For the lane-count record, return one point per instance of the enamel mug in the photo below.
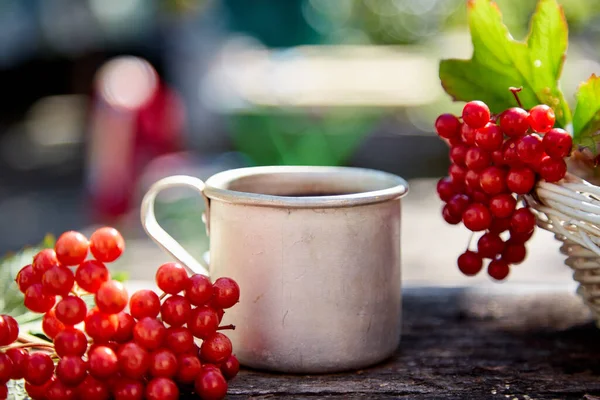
(316, 253)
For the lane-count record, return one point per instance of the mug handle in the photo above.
(159, 235)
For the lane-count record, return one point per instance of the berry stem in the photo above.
(230, 326)
(470, 241)
(162, 296)
(27, 338)
(28, 345)
(515, 92)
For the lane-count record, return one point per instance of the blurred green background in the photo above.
(100, 98)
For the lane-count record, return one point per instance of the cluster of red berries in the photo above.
(494, 159)
(157, 349)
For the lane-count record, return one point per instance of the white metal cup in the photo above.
(316, 252)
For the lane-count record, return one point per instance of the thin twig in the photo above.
(28, 345)
(231, 326)
(515, 92)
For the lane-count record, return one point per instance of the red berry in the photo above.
(541, 118)
(38, 392)
(162, 389)
(52, 326)
(6, 368)
(44, 260)
(172, 278)
(231, 367)
(179, 340)
(93, 389)
(9, 328)
(493, 180)
(530, 148)
(163, 363)
(470, 263)
(477, 217)
(107, 244)
(520, 180)
(3, 391)
(71, 310)
(128, 389)
(215, 349)
(447, 126)
(467, 134)
(188, 368)
(144, 303)
(211, 384)
(90, 275)
(70, 342)
(489, 137)
(472, 180)
(203, 322)
(19, 358)
(445, 189)
(134, 360)
(125, 329)
(71, 370)
(103, 362)
(111, 297)
(557, 143)
(200, 292)
(455, 141)
(4, 331)
(458, 154)
(457, 204)
(59, 391)
(502, 205)
(175, 310)
(101, 326)
(514, 121)
(226, 293)
(39, 369)
(522, 221)
(37, 300)
(149, 333)
(449, 217)
(498, 157)
(553, 169)
(535, 165)
(476, 114)
(457, 173)
(58, 280)
(520, 237)
(71, 248)
(477, 159)
(510, 155)
(498, 269)
(490, 245)
(27, 277)
(514, 252)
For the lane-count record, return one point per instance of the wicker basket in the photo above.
(571, 210)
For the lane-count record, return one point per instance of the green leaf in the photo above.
(120, 276)
(49, 241)
(586, 119)
(11, 300)
(500, 62)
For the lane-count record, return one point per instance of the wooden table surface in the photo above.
(494, 342)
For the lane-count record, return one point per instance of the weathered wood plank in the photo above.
(460, 344)
(501, 343)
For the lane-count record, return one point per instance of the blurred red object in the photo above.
(134, 119)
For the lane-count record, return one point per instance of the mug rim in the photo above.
(216, 185)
